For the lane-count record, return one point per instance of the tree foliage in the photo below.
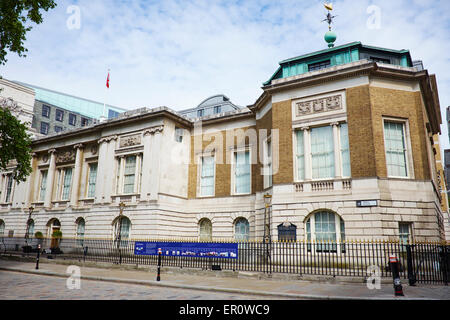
(15, 145)
(14, 15)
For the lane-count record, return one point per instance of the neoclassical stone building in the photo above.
(341, 139)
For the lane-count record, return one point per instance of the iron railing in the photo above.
(419, 262)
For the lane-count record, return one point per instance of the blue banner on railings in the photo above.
(188, 249)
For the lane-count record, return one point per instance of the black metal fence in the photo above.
(419, 262)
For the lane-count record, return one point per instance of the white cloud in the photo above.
(178, 52)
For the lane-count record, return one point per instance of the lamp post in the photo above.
(119, 229)
(267, 240)
(30, 211)
(267, 202)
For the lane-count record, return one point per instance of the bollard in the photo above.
(37, 257)
(158, 277)
(398, 289)
(411, 274)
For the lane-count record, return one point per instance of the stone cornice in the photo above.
(153, 130)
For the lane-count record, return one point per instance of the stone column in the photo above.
(307, 152)
(152, 162)
(109, 165)
(31, 190)
(146, 158)
(76, 174)
(50, 178)
(337, 151)
(101, 170)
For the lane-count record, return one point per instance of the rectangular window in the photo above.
(9, 184)
(322, 152)
(84, 122)
(319, 65)
(112, 114)
(45, 111)
(242, 172)
(178, 134)
(207, 176)
(43, 187)
(59, 115)
(72, 119)
(92, 180)
(44, 128)
(345, 150)
(129, 174)
(300, 155)
(200, 113)
(268, 164)
(394, 141)
(217, 109)
(381, 60)
(404, 232)
(58, 129)
(67, 181)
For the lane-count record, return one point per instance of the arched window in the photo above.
(205, 230)
(241, 229)
(2, 228)
(81, 224)
(30, 228)
(125, 227)
(326, 229)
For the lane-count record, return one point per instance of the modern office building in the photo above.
(340, 139)
(51, 119)
(88, 108)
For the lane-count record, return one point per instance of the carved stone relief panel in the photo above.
(318, 105)
(129, 141)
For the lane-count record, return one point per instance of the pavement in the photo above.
(278, 286)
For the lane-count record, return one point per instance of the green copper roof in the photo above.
(338, 55)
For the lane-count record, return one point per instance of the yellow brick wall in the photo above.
(282, 121)
(366, 107)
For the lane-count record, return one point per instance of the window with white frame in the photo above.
(345, 150)
(129, 174)
(241, 229)
(242, 172)
(64, 183)
(43, 186)
(300, 155)
(2, 228)
(81, 225)
(404, 231)
(328, 152)
(30, 227)
(9, 182)
(268, 164)
(92, 180)
(322, 152)
(125, 228)
(396, 148)
(326, 229)
(207, 176)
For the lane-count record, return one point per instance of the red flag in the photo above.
(107, 81)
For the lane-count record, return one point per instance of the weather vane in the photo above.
(329, 18)
(330, 36)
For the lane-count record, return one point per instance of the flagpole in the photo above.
(106, 96)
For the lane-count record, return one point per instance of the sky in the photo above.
(176, 53)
